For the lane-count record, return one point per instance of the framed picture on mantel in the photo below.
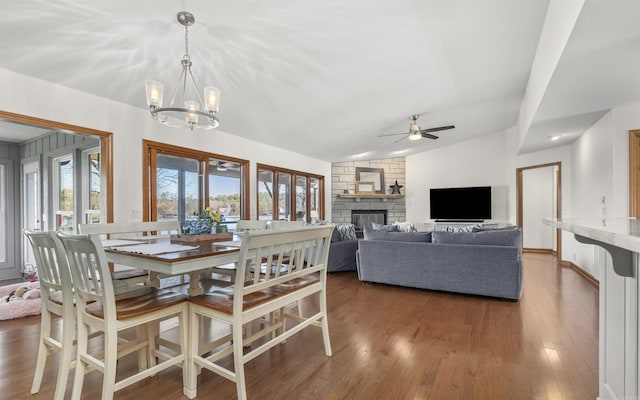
(365, 187)
(375, 175)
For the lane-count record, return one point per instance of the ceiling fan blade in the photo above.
(393, 134)
(402, 138)
(428, 135)
(440, 128)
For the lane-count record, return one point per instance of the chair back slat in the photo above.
(89, 267)
(139, 228)
(246, 224)
(274, 257)
(52, 266)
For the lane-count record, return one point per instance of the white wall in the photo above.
(538, 198)
(476, 162)
(129, 125)
(593, 166)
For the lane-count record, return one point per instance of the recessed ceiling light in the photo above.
(556, 137)
(399, 151)
(360, 154)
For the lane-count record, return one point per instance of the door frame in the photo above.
(106, 167)
(634, 173)
(519, 199)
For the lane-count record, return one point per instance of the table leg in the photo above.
(194, 284)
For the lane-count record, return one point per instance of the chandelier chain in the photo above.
(186, 42)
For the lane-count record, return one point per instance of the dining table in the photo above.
(168, 256)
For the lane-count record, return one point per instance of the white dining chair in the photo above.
(280, 224)
(56, 292)
(300, 256)
(247, 224)
(98, 308)
(140, 230)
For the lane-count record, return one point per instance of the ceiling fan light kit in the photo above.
(416, 133)
(186, 105)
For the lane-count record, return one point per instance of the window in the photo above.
(63, 193)
(225, 188)
(180, 182)
(289, 195)
(92, 181)
(265, 195)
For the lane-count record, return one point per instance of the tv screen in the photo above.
(461, 204)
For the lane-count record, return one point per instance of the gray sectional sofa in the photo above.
(485, 262)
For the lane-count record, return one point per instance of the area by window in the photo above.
(180, 182)
(285, 194)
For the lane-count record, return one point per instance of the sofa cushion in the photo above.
(346, 232)
(424, 237)
(511, 237)
(386, 228)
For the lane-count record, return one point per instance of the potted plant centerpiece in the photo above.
(203, 224)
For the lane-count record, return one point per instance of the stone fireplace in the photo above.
(361, 218)
(343, 182)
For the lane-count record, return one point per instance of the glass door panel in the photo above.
(284, 196)
(30, 206)
(265, 194)
(177, 188)
(92, 181)
(301, 198)
(314, 198)
(64, 193)
(225, 191)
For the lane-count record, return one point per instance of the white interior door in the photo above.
(31, 205)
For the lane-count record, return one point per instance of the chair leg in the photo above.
(325, 324)
(43, 351)
(238, 364)
(68, 328)
(81, 349)
(191, 384)
(110, 364)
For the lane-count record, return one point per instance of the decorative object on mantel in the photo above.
(190, 105)
(365, 187)
(395, 189)
(375, 175)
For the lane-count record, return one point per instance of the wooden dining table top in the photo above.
(206, 248)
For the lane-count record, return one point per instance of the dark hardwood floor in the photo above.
(391, 343)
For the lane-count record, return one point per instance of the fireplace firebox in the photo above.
(362, 218)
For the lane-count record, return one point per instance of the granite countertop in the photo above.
(620, 232)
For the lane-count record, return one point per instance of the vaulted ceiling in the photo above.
(327, 78)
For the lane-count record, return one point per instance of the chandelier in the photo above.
(187, 108)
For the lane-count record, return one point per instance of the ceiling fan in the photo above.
(415, 132)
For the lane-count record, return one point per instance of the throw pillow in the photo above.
(511, 237)
(405, 226)
(346, 232)
(461, 228)
(424, 237)
(386, 228)
(335, 235)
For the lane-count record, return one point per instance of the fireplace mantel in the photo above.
(358, 196)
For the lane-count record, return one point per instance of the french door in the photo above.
(31, 205)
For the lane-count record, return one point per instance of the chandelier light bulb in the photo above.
(154, 91)
(191, 116)
(212, 98)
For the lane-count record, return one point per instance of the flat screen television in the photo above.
(461, 204)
